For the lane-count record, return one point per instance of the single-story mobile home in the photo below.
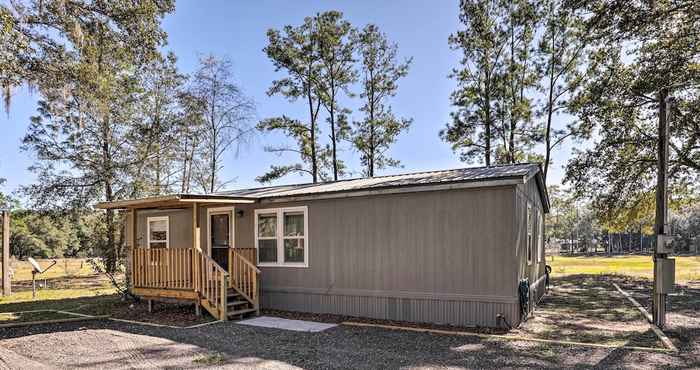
(462, 247)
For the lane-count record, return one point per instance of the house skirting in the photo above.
(401, 307)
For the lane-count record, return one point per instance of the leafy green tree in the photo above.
(645, 52)
(380, 70)
(7, 201)
(159, 128)
(188, 138)
(39, 39)
(83, 135)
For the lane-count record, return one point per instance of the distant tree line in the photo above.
(574, 227)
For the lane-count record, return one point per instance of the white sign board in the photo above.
(35, 265)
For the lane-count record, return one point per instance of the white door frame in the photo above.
(231, 211)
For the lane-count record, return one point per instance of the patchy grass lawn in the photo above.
(687, 268)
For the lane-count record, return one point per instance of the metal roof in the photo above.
(473, 177)
(459, 175)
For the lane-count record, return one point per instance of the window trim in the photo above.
(279, 236)
(167, 230)
(529, 231)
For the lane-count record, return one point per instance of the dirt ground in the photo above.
(108, 344)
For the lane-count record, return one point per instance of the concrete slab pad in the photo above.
(287, 324)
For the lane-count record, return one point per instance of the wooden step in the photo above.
(241, 312)
(237, 303)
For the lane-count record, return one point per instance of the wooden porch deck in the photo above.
(189, 274)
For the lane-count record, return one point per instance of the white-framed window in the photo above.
(540, 236)
(529, 233)
(158, 232)
(282, 236)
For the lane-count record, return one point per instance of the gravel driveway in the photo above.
(108, 344)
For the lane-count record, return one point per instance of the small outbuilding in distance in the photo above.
(462, 247)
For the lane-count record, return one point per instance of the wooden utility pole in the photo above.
(664, 268)
(6, 285)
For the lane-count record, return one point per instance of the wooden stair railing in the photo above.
(244, 277)
(212, 285)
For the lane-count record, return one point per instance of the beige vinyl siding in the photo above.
(443, 246)
(448, 256)
(528, 193)
(180, 225)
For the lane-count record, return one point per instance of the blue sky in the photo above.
(236, 29)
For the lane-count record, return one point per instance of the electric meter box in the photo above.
(665, 275)
(663, 244)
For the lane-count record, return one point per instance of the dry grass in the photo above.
(65, 267)
(687, 268)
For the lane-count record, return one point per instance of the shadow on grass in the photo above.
(683, 310)
(588, 309)
(174, 314)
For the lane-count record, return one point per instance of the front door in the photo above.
(220, 236)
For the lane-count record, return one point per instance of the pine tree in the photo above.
(482, 43)
(380, 70)
(336, 74)
(294, 50)
(560, 53)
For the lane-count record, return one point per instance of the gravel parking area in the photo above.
(117, 345)
(112, 345)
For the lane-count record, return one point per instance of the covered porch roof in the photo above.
(175, 201)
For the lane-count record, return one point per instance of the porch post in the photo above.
(6, 284)
(195, 224)
(195, 259)
(134, 238)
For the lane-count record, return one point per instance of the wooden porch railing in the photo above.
(162, 268)
(244, 275)
(212, 285)
(248, 253)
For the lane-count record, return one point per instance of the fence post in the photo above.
(6, 284)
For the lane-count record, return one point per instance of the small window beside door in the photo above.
(158, 232)
(282, 236)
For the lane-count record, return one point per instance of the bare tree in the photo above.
(227, 116)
